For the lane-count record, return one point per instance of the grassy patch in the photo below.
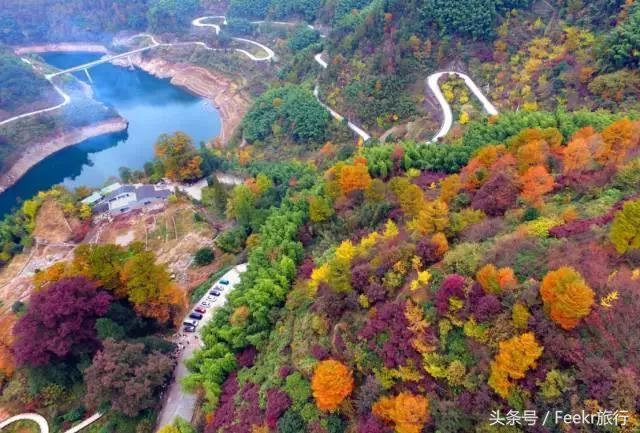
(202, 288)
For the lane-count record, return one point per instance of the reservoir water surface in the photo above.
(151, 105)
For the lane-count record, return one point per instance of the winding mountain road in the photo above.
(432, 80)
(66, 100)
(198, 22)
(43, 425)
(447, 117)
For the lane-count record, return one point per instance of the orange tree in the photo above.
(332, 382)
(566, 296)
(494, 280)
(406, 411)
(355, 177)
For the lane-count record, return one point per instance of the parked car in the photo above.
(205, 304)
(196, 316)
(200, 310)
(214, 293)
(211, 298)
(193, 323)
(224, 282)
(189, 329)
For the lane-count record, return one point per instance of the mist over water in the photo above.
(152, 107)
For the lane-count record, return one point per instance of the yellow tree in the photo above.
(319, 209)
(515, 356)
(7, 363)
(355, 177)
(178, 156)
(409, 195)
(625, 230)
(434, 217)
(449, 187)
(619, 138)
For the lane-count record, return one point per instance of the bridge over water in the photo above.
(104, 59)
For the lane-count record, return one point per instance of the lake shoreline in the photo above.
(222, 92)
(219, 90)
(65, 47)
(50, 145)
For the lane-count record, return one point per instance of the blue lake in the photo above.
(151, 105)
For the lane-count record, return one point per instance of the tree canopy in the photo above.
(126, 376)
(60, 322)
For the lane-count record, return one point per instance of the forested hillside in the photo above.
(21, 87)
(34, 21)
(482, 282)
(413, 300)
(532, 55)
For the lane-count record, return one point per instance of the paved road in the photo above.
(447, 117)
(42, 423)
(66, 99)
(179, 402)
(339, 117)
(432, 81)
(200, 22)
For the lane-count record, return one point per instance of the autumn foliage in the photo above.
(178, 157)
(332, 382)
(355, 177)
(567, 296)
(7, 363)
(60, 322)
(625, 230)
(536, 182)
(514, 358)
(407, 412)
(494, 280)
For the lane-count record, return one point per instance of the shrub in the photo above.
(463, 259)
(203, 257)
(497, 195)
(232, 241)
(277, 403)
(291, 422)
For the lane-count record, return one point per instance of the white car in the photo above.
(205, 304)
